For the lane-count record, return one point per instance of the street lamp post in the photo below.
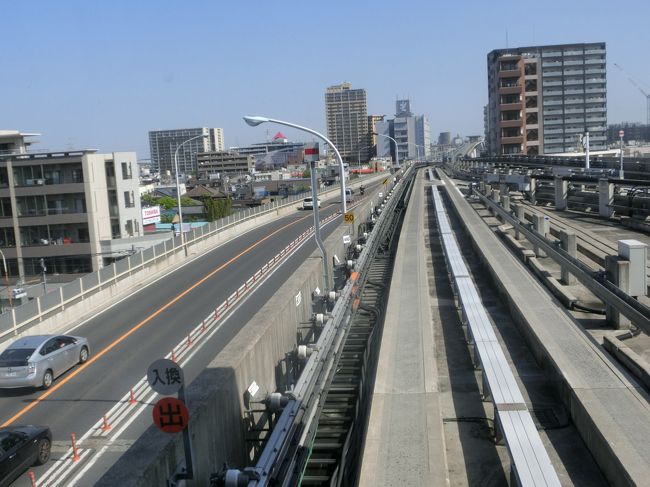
(396, 148)
(178, 189)
(254, 121)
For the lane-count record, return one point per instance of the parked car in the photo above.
(20, 448)
(35, 361)
(308, 204)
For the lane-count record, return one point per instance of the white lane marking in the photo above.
(63, 470)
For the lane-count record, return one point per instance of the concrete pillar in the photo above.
(605, 198)
(519, 212)
(494, 196)
(541, 225)
(505, 203)
(481, 186)
(503, 188)
(570, 246)
(561, 193)
(618, 273)
(533, 190)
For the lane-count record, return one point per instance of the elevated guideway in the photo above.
(610, 410)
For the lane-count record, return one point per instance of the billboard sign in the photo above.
(311, 152)
(150, 215)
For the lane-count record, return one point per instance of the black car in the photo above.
(20, 448)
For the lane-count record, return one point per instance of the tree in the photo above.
(167, 202)
(217, 208)
(149, 199)
(306, 173)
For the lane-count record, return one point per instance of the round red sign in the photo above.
(171, 415)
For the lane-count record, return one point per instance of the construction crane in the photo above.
(647, 97)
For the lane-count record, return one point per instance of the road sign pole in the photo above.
(188, 474)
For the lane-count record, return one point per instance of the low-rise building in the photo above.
(59, 207)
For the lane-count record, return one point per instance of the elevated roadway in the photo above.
(145, 326)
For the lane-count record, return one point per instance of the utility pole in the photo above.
(43, 269)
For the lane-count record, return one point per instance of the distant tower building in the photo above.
(347, 120)
(411, 132)
(372, 130)
(163, 144)
(444, 138)
(542, 98)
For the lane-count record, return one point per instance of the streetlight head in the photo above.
(255, 121)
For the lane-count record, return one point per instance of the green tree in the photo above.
(215, 209)
(167, 202)
(149, 199)
(306, 173)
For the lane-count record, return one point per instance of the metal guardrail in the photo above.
(20, 317)
(636, 312)
(293, 427)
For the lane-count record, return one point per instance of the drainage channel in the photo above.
(334, 453)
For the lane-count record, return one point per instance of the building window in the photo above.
(126, 170)
(129, 199)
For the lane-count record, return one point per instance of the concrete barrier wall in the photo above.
(217, 401)
(58, 321)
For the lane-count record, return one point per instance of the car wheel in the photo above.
(48, 378)
(44, 449)
(83, 355)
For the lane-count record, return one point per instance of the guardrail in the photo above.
(635, 311)
(530, 462)
(21, 317)
(292, 430)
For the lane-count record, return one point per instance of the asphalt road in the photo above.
(146, 325)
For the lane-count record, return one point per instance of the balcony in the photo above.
(552, 83)
(599, 89)
(594, 51)
(510, 123)
(574, 101)
(510, 106)
(574, 110)
(512, 140)
(574, 72)
(509, 73)
(596, 119)
(574, 91)
(595, 71)
(553, 111)
(595, 99)
(551, 53)
(574, 130)
(553, 131)
(548, 103)
(554, 121)
(551, 73)
(573, 53)
(510, 90)
(595, 61)
(573, 63)
(573, 82)
(595, 110)
(595, 80)
(551, 64)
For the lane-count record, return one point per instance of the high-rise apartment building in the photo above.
(163, 144)
(64, 207)
(347, 121)
(542, 99)
(411, 132)
(372, 130)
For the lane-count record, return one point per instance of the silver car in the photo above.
(35, 361)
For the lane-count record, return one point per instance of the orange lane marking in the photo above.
(126, 334)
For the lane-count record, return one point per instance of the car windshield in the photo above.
(15, 357)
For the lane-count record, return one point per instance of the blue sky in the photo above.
(101, 74)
